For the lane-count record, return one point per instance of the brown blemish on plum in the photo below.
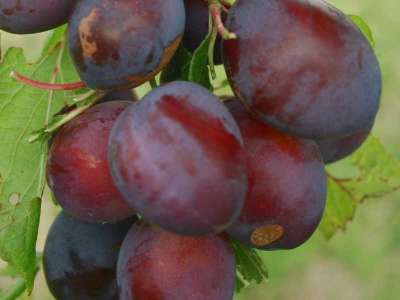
(11, 11)
(139, 79)
(265, 235)
(89, 46)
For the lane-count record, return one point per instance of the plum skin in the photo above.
(158, 265)
(77, 168)
(196, 28)
(122, 44)
(333, 150)
(80, 258)
(286, 186)
(177, 157)
(303, 67)
(33, 16)
(127, 95)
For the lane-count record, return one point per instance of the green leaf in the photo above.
(249, 266)
(340, 208)
(176, 68)
(24, 109)
(14, 292)
(185, 66)
(198, 70)
(222, 85)
(9, 270)
(365, 29)
(19, 287)
(378, 173)
(55, 37)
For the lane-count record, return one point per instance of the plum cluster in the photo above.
(152, 190)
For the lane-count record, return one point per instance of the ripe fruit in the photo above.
(177, 157)
(78, 171)
(80, 259)
(286, 187)
(32, 16)
(303, 67)
(127, 95)
(158, 265)
(333, 150)
(196, 28)
(122, 44)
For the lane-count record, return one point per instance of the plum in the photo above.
(78, 171)
(177, 157)
(122, 44)
(158, 265)
(286, 186)
(303, 67)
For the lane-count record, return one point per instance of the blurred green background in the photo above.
(361, 263)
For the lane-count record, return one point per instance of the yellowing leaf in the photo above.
(378, 174)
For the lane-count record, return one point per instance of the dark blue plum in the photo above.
(32, 16)
(126, 95)
(122, 44)
(80, 259)
(303, 67)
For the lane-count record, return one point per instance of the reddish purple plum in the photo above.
(303, 67)
(78, 171)
(158, 265)
(286, 186)
(177, 157)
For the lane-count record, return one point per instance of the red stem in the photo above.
(216, 15)
(217, 19)
(46, 85)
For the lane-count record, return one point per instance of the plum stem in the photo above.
(215, 10)
(68, 117)
(84, 96)
(74, 113)
(65, 118)
(213, 38)
(45, 85)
